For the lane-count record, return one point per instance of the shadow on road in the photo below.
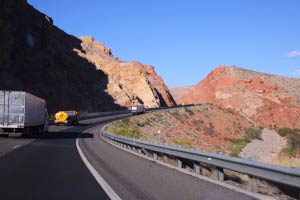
(63, 135)
(65, 132)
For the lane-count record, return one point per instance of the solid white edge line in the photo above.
(104, 185)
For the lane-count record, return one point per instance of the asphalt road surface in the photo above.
(133, 177)
(49, 167)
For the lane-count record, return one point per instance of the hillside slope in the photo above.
(39, 58)
(201, 126)
(272, 101)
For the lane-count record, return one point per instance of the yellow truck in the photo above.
(66, 117)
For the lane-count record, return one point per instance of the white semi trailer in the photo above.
(21, 112)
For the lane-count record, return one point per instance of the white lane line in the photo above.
(16, 146)
(109, 191)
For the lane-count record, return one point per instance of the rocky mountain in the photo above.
(128, 83)
(38, 57)
(271, 101)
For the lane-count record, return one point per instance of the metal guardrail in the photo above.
(282, 175)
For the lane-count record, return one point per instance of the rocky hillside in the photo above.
(38, 57)
(271, 101)
(201, 126)
(128, 83)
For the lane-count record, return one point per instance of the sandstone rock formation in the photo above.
(128, 83)
(39, 58)
(272, 101)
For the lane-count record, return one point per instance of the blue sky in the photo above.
(187, 39)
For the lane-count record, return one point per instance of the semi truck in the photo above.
(138, 109)
(67, 118)
(21, 112)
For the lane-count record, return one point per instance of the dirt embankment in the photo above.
(201, 126)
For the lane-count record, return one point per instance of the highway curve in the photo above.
(133, 177)
(49, 167)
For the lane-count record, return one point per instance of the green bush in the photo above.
(125, 128)
(209, 130)
(189, 111)
(293, 137)
(182, 143)
(176, 115)
(237, 145)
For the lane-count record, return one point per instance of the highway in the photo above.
(50, 167)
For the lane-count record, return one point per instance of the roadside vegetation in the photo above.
(238, 144)
(293, 137)
(182, 143)
(201, 126)
(126, 128)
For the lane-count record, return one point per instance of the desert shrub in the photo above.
(253, 133)
(293, 137)
(182, 142)
(197, 122)
(125, 128)
(288, 131)
(176, 115)
(158, 115)
(189, 111)
(238, 144)
(209, 130)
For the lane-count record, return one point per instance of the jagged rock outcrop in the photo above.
(37, 57)
(129, 83)
(272, 101)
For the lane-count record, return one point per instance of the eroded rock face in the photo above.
(37, 57)
(129, 83)
(272, 101)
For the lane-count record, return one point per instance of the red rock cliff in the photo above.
(272, 101)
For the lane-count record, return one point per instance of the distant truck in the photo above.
(67, 118)
(139, 109)
(21, 112)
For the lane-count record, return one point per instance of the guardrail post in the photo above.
(165, 158)
(140, 151)
(155, 156)
(178, 163)
(220, 174)
(197, 168)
